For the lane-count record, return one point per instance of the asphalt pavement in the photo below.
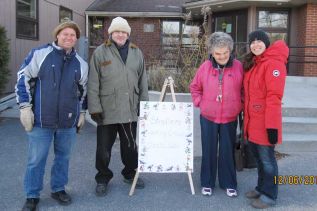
(162, 191)
(169, 191)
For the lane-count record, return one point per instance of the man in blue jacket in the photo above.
(51, 93)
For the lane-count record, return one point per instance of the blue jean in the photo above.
(211, 134)
(40, 140)
(267, 170)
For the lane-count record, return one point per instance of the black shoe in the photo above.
(62, 197)
(101, 189)
(30, 204)
(259, 204)
(139, 183)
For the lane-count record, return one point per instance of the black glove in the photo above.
(272, 134)
(97, 117)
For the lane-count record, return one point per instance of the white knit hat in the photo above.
(119, 24)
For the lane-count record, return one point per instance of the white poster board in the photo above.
(165, 137)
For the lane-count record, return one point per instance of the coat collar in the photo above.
(109, 42)
(61, 51)
(215, 64)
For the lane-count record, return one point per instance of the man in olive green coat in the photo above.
(117, 82)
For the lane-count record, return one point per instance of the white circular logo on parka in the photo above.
(276, 73)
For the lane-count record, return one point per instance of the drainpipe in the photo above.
(87, 22)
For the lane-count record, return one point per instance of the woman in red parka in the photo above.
(264, 81)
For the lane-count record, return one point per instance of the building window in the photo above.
(27, 21)
(175, 33)
(148, 28)
(172, 31)
(274, 22)
(65, 14)
(190, 35)
(96, 31)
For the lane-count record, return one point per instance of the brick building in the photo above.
(158, 22)
(153, 23)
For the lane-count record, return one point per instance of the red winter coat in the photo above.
(264, 89)
(204, 90)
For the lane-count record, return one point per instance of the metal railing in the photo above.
(297, 54)
(167, 54)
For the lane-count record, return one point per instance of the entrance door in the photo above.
(234, 23)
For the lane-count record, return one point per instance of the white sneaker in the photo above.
(232, 192)
(206, 191)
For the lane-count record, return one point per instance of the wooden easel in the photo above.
(168, 82)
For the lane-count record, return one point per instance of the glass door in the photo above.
(235, 24)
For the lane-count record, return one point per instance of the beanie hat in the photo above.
(119, 24)
(66, 24)
(259, 35)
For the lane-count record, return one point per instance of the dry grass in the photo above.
(279, 155)
(178, 60)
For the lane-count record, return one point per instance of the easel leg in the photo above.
(163, 92)
(172, 89)
(136, 177)
(191, 183)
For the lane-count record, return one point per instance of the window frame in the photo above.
(92, 31)
(176, 36)
(275, 29)
(28, 20)
(170, 35)
(65, 9)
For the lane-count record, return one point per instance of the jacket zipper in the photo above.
(59, 89)
(54, 78)
(222, 91)
(221, 73)
(126, 74)
(248, 112)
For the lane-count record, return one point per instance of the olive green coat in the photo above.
(115, 89)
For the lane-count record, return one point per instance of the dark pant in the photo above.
(211, 134)
(106, 136)
(267, 169)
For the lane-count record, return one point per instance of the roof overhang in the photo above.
(194, 4)
(228, 5)
(136, 14)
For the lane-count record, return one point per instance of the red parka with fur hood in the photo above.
(264, 88)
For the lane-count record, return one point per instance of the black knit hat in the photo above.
(259, 35)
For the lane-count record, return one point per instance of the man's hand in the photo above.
(97, 117)
(27, 118)
(81, 121)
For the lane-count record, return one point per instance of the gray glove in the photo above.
(27, 118)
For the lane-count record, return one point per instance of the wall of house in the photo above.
(303, 33)
(310, 69)
(294, 35)
(48, 20)
(300, 40)
(148, 42)
(7, 19)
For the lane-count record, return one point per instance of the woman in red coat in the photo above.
(264, 81)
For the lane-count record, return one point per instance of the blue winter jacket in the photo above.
(54, 84)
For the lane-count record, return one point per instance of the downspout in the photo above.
(87, 22)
